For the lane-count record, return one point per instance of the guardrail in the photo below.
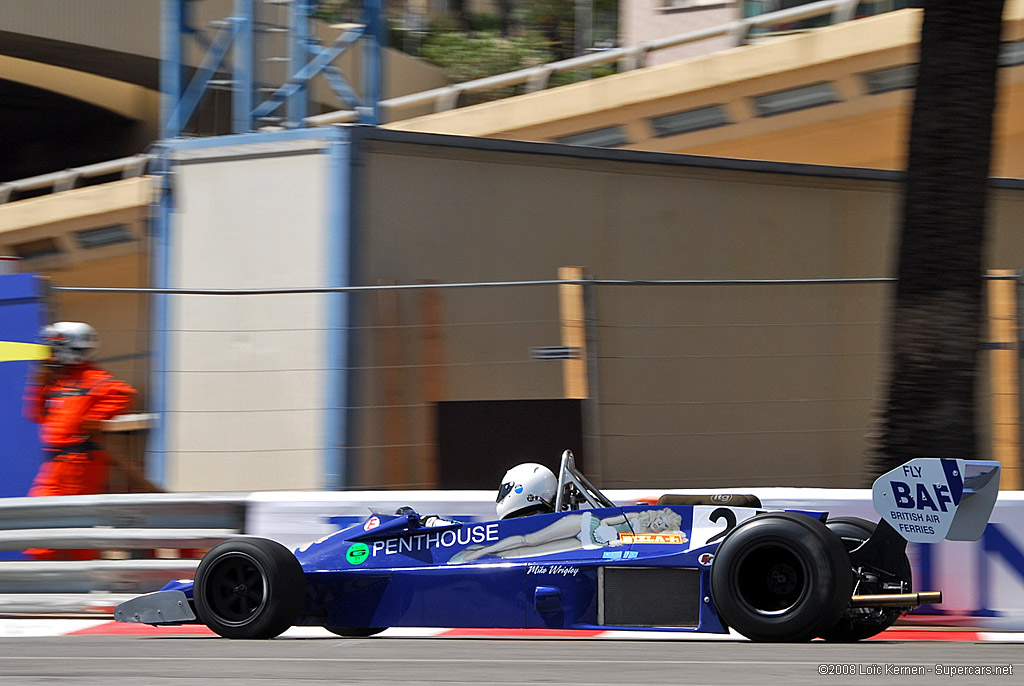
(196, 512)
(125, 523)
(115, 576)
(628, 58)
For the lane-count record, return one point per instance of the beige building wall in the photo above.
(699, 386)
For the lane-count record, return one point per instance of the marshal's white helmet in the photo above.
(70, 342)
(526, 488)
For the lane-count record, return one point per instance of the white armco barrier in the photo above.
(982, 582)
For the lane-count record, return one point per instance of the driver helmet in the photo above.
(526, 489)
(70, 343)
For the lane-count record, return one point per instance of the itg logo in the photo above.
(357, 553)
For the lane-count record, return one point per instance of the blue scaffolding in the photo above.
(232, 48)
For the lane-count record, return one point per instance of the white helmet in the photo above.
(526, 488)
(70, 342)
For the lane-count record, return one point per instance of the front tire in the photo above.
(250, 588)
(781, 577)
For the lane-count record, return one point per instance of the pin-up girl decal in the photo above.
(577, 532)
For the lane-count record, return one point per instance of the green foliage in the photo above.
(471, 46)
(568, 77)
(334, 10)
(556, 20)
(465, 57)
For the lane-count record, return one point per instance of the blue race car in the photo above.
(687, 563)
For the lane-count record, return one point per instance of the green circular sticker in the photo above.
(357, 553)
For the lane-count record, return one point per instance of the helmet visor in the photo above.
(505, 489)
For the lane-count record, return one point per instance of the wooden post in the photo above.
(432, 378)
(1003, 341)
(574, 332)
(395, 472)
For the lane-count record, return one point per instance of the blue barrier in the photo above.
(22, 312)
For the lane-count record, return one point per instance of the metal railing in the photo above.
(90, 576)
(116, 524)
(157, 511)
(768, 364)
(628, 58)
(706, 369)
(126, 167)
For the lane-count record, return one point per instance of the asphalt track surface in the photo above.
(179, 659)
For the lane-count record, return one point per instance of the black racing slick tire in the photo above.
(852, 531)
(250, 588)
(856, 624)
(354, 631)
(781, 576)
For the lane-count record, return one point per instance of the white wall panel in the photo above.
(246, 388)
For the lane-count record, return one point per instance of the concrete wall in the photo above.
(699, 385)
(245, 395)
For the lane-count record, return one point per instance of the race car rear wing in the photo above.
(925, 501)
(929, 499)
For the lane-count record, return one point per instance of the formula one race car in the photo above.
(687, 563)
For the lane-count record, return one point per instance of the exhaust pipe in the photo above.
(897, 599)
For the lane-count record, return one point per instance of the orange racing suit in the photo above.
(68, 406)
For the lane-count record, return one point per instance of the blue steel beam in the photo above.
(172, 24)
(308, 71)
(341, 88)
(306, 59)
(373, 15)
(341, 382)
(298, 40)
(201, 79)
(159, 266)
(243, 60)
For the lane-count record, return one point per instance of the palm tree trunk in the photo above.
(937, 314)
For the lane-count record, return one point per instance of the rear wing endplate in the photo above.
(927, 500)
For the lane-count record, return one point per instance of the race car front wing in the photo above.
(161, 607)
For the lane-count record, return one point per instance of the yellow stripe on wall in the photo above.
(13, 352)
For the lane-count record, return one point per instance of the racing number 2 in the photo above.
(730, 522)
(729, 516)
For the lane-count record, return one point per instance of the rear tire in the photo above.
(852, 531)
(249, 588)
(781, 577)
(856, 624)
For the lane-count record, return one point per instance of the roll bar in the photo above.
(574, 488)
